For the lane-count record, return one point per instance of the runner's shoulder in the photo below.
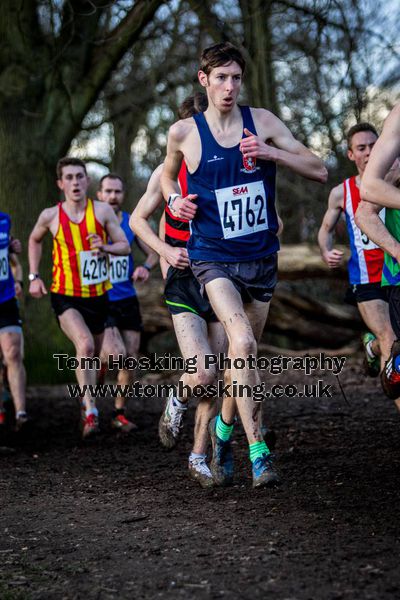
(48, 215)
(180, 130)
(266, 123)
(336, 196)
(102, 210)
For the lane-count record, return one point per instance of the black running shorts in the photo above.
(125, 314)
(254, 280)
(9, 315)
(363, 292)
(182, 294)
(93, 310)
(393, 294)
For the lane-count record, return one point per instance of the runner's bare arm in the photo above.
(142, 273)
(164, 266)
(184, 208)
(37, 288)
(374, 187)
(368, 220)
(119, 244)
(138, 222)
(16, 269)
(285, 151)
(330, 255)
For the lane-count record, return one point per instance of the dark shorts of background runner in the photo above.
(254, 280)
(93, 310)
(125, 314)
(363, 292)
(9, 314)
(393, 294)
(182, 295)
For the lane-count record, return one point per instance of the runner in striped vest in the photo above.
(80, 229)
(366, 258)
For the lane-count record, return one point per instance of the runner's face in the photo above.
(223, 86)
(112, 192)
(74, 183)
(361, 146)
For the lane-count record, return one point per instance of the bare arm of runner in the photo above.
(286, 151)
(141, 273)
(119, 244)
(164, 266)
(368, 220)
(184, 208)
(37, 288)
(374, 185)
(331, 256)
(16, 269)
(148, 203)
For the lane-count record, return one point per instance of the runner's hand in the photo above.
(18, 289)
(333, 258)
(140, 274)
(185, 208)
(177, 257)
(96, 242)
(253, 147)
(37, 288)
(15, 246)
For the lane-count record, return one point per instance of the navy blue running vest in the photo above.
(236, 220)
(7, 289)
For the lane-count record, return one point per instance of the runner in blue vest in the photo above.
(11, 343)
(124, 323)
(231, 153)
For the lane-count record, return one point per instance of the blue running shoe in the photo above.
(264, 473)
(222, 457)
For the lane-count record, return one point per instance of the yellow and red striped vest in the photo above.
(68, 242)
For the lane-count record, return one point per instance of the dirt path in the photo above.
(119, 518)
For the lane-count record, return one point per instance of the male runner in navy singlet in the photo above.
(231, 153)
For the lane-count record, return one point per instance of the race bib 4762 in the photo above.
(242, 209)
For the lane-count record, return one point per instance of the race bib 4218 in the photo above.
(94, 267)
(242, 209)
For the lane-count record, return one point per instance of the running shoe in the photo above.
(21, 421)
(222, 458)
(390, 376)
(119, 422)
(199, 471)
(264, 473)
(90, 426)
(171, 421)
(372, 366)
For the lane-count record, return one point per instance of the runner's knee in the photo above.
(85, 347)
(12, 353)
(243, 344)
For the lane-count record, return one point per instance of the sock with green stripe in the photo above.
(223, 430)
(258, 449)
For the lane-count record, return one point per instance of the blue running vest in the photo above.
(7, 289)
(236, 220)
(122, 267)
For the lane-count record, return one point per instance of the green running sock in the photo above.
(258, 449)
(223, 430)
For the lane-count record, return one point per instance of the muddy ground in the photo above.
(119, 518)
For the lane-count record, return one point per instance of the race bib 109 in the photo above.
(94, 267)
(242, 209)
(4, 264)
(119, 269)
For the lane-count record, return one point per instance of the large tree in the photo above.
(55, 59)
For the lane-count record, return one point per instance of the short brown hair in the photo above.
(69, 161)
(192, 105)
(357, 129)
(111, 176)
(218, 55)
